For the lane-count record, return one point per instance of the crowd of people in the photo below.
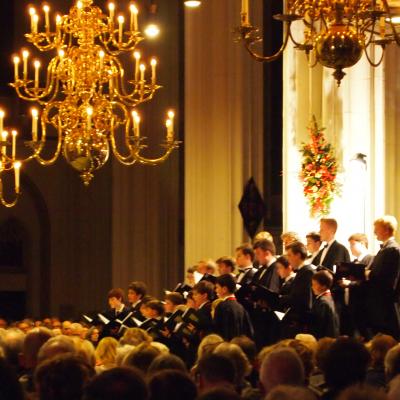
(313, 323)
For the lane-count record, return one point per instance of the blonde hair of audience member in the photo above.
(387, 224)
(85, 349)
(135, 336)
(60, 344)
(208, 344)
(76, 329)
(378, 347)
(289, 237)
(161, 347)
(394, 389)
(286, 392)
(33, 341)
(263, 235)
(364, 392)
(122, 352)
(239, 359)
(106, 353)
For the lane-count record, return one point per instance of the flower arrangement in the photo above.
(318, 171)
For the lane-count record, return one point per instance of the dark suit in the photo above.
(336, 254)
(268, 276)
(245, 277)
(298, 302)
(383, 288)
(136, 311)
(231, 320)
(325, 322)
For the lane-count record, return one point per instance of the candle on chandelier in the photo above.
(1, 121)
(136, 54)
(153, 64)
(89, 113)
(25, 56)
(134, 18)
(14, 143)
(121, 20)
(245, 12)
(35, 21)
(170, 131)
(46, 10)
(17, 167)
(35, 118)
(58, 24)
(111, 8)
(79, 7)
(4, 136)
(142, 71)
(136, 122)
(32, 13)
(36, 65)
(16, 66)
(101, 58)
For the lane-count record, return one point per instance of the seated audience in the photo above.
(174, 384)
(106, 353)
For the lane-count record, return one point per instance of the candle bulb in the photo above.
(120, 27)
(17, 167)
(142, 70)
(79, 7)
(101, 59)
(35, 117)
(134, 18)
(4, 136)
(170, 132)
(46, 10)
(16, 67)
(245, 12)
(153, 64)
(32, 12)
(1, 121)
(35, 21)
(89, 112)
(36, 65)
(58, 25)
(136, 122)
(25, 55)
(14, 144)
(136, 54)
(111, 8)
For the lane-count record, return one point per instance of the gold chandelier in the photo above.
(335, 32)
(87, 100)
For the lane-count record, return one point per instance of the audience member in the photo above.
(174, 384)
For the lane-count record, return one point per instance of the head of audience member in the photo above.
(225, 286)
(378, 348)
(106, 352)
(3, 323)
(135, 337)
(281, 366)
(283, 267)
(263, 235)
(12, 341)
(25, 325)
(345, 364)
(392, 362)
(239, 360)
(62, 378)
(153, 309)
(385, 227)
(10, 389)
(248, 347)
(86, 350)
(322, 349)
(136, 291)
(76, 329)
(93, 335)
(306, 354)
(215, 370)
(56, 346)
(66, 327)
(244, 256)
(321, 281)
(327, 229)
(172, 301)
(202, 292)
(141, 357)
(225, 265)
(394, 389)
(208, 344)
(286, 392)
(34, 340)
(289, 237)
(166, 361)
(313, 242)
(119, 383)
(296, 254)
(219, 393)
(264, 251)
(362, 392)
(358, 244)
(176, 383)
(115, 298)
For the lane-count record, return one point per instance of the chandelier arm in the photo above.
(272, 57)
(126, 160)
(154, 161)
(4, 201)
(374, 64)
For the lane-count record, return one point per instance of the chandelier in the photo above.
(335, 32)
(87, 101)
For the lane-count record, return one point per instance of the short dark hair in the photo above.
(156, 305)
(228, 261)
(266, 245)
(228, 281)
(247, 250)
(219, 393)
(315, 236)
(283, 261)
(118, 293)
(205, 287)
(298, 248)
(175, 298)
(324, 278)
(118, 383)
(174, 382)
(216, 368)
(166, 361)
(139, 287)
